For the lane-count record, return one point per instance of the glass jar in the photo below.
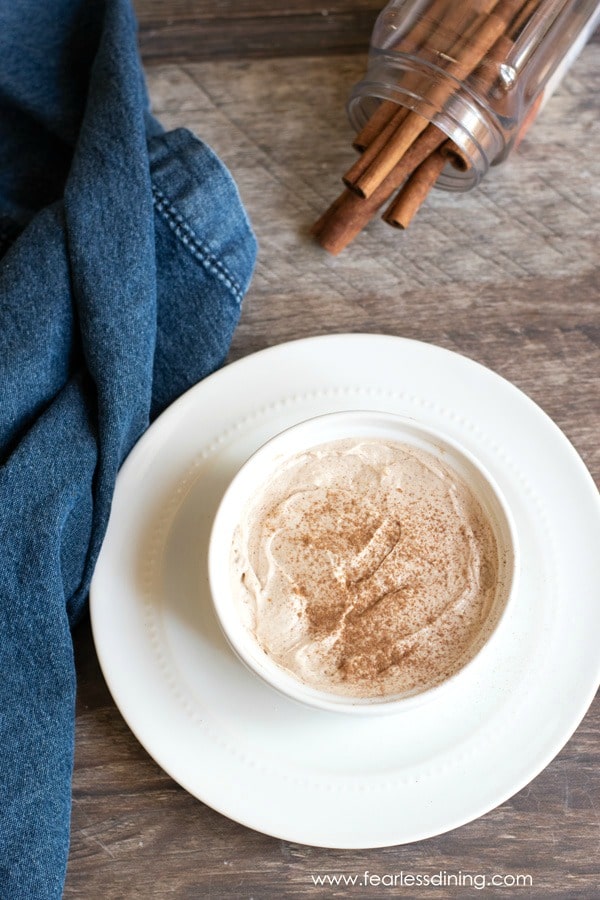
(478, 70)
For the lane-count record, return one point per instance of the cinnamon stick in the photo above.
(345, 218)
(377, 144)
(374, 125)
(409, 200)
(485, 76)
(470, 55)
(427, 24)
(419, 36)
(374, 137)
(523, 16)
(348, 215)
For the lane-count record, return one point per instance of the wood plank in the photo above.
(508, 275)
(196, 30)
(136, 834)
(205, 30)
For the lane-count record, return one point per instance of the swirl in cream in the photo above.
(365, 568)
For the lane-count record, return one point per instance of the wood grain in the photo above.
(137, 835)
(195, 30)
(508, 275)
(201, 29)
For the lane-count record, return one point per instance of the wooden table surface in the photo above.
(506, 274)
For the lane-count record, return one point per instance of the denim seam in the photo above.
(199, 251)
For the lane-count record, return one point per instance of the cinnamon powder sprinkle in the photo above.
(366, 568)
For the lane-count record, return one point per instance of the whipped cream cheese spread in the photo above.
(365, 568)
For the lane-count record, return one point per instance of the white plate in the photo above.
(312, 776)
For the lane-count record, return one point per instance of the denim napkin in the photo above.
(124, 256)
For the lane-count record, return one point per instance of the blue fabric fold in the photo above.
(125, 253)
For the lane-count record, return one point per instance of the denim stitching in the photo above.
(182, 230)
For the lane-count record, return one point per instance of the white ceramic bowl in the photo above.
(310, 433)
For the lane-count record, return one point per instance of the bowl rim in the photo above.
(238, 636)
